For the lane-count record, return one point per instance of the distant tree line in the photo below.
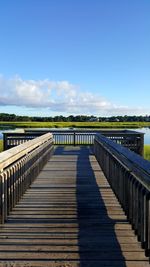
(72, 118)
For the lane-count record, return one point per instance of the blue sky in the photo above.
(75, 57)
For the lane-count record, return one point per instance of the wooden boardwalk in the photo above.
(69, 217)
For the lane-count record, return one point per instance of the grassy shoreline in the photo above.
(1, 145)
(75, 124)
(147, 152)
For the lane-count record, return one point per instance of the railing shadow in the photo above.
(97, 240)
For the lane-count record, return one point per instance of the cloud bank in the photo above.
(58, 96)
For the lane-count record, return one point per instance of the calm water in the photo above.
(146, 132)
(143, 130)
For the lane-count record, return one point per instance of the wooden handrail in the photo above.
(129, 177)
(133, 160)
(19, 166)
(9, 156)
(130, 139)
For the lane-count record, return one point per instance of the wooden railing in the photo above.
(129, 177)
(130, 139)
(18, 168)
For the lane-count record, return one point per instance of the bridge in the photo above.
(74, 204)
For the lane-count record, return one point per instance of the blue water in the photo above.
(146, 132)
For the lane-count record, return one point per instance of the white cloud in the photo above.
(58, 96)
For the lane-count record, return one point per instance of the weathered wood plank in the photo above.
(100, 255)
(67, 263)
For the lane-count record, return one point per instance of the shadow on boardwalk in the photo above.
(97, 241)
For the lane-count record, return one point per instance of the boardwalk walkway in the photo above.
(69, 217)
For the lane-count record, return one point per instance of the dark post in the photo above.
(141, 152)
(4, 141)
(74, 138)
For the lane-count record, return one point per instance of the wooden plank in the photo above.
(66, 248)
(67, 263)
(100, 255)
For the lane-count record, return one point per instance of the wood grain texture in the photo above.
(69, 217)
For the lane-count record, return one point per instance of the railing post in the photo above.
(5, 141)
(74, 138)
(2, 199)
(141, 149)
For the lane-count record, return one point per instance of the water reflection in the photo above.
(146, 131)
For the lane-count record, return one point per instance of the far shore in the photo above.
(92, 125)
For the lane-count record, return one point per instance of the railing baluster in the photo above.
(2, 199)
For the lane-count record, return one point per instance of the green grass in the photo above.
(1, 145)
(75, 124)
(147, 152)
